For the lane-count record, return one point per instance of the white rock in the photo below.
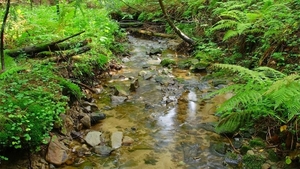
(93, 138)
(116, 139)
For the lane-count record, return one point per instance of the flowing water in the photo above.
(167, 115)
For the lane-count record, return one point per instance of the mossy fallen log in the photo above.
(32, 51)
(151, 33)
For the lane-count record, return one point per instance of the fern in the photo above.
(265, 92)
(241, 99)
(244, 73)
(232, 122)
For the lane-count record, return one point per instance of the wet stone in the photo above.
(118, 99)
(220, 148)
(96, 117)
(103, 150)
(127, 141)
(90, 106)
(233, 159)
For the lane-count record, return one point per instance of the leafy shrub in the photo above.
(31, 101)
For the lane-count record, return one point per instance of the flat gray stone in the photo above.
(93, 138)
(116, 139)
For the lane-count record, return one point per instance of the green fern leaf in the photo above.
(271, 73)
(232, 122)
(224, 24)
(241, 27)
(229, 34)
(241, 99)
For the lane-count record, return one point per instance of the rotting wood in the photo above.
(151, 33)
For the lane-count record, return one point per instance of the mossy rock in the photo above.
(185, 64)
(199, 67)
(167, 62)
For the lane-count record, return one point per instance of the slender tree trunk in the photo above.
(2, 36)
(177, 31)
(57, 8)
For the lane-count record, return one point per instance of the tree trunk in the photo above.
(176, 30)
(2, 36)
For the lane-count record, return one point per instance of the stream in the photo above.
(163, 110)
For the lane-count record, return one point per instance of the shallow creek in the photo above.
(167, 115)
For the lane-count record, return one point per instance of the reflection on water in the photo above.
(192, 106)
(167, 121)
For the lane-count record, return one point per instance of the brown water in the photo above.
(164, 119)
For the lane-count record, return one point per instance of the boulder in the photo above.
(96, 117)
(86, 121)
(57, 153)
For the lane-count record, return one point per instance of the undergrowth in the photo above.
(33, 94)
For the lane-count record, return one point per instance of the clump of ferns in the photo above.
(264, 92)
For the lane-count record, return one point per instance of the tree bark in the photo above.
(173, 26)
(2, 36)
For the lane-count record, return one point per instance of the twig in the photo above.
(84, 85)
(235, 150)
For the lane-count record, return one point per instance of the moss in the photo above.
(244, 149)
(252, 161)
(256, 142)
(272, 156)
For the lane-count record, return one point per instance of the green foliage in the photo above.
(252, 161)
(71, 87)
(41, 24)
(256, 142)
(31, 101)
(260, 92)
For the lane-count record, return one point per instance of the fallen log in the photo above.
(58, 56)
(150, 33)
(31, 51)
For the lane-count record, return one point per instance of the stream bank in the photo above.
(143, 116)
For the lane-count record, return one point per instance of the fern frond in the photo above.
(241, 99)
(271, 73)
(224, 24)
(244, 72)
(232, 122)
(234, 14)
(282, 84)
(241, 27)
(229, 34)
(228, 89)
(252, 17)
